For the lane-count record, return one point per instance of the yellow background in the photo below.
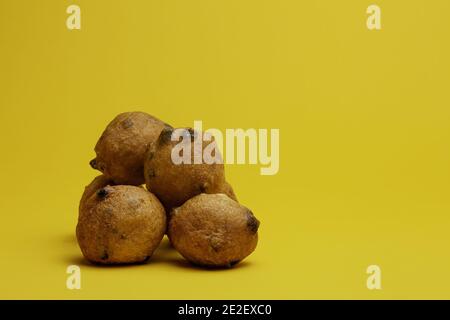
(363, 116)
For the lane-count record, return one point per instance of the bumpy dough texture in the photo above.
(99, 182)
(120, 224)
(122, 147)
(173, 183)
(213, 230)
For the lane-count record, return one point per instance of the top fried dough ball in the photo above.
(213, 230)
(122, 146)
(120, 224)
(174, 184)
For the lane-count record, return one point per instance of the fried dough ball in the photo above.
(213, 230)
(175, 183)
(122, 146)
(120, 224)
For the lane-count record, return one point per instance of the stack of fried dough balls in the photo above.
(122, 221)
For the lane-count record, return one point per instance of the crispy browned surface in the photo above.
(213, 230)
(173, 183)
(122, 147)
(120, 224)
(96, 184)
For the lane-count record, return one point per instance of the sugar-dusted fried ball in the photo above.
(120, 224)
(213, 230)
(122, 146)
(176, 182)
